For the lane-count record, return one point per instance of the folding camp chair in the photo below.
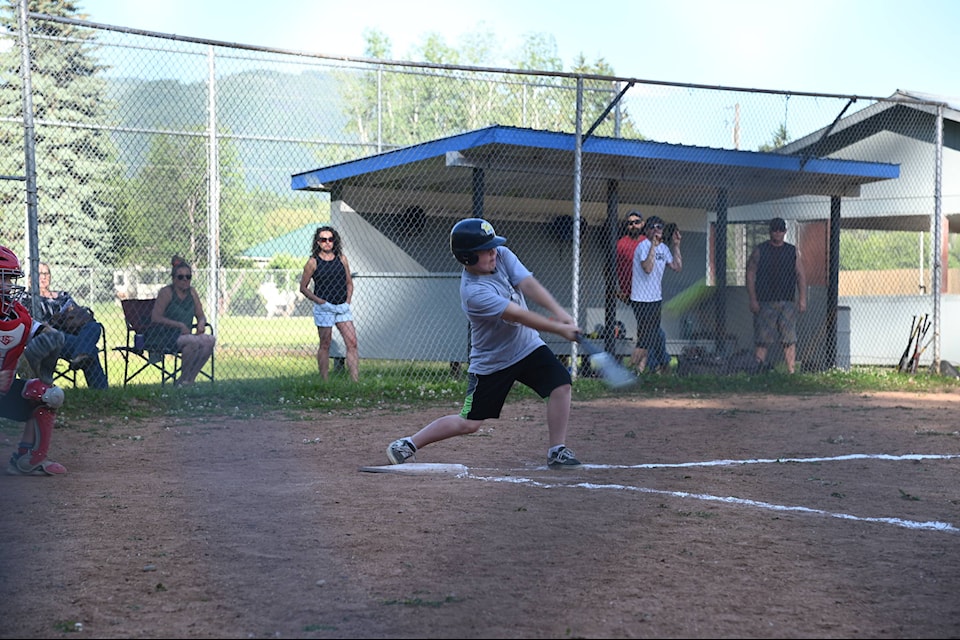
(70, 375)
(137, 359)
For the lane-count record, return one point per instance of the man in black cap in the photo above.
(777, 288)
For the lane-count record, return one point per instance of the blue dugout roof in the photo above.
(529, 163)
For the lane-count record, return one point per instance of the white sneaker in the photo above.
(400, 450)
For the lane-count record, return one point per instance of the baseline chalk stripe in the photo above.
(722, 463)
(907, 524)
(461, 471)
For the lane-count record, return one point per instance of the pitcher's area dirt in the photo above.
(739, 517)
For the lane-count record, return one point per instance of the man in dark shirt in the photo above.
(774, 278)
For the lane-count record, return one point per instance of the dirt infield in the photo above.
(800, 517)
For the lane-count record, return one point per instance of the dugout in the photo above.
(533, 184)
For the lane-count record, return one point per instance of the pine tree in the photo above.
(72, 156)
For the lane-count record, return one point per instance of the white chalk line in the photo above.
(898, 522)
(721, 463)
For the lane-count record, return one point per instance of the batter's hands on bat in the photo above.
(570, 332)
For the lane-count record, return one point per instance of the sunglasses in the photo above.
(323, 239)
(657, 226)
(184, 277)
(634, 223)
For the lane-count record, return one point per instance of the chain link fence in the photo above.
(150, 145)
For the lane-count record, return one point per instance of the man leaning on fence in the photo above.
(774, 278)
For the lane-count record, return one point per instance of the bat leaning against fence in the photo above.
(915, 363)
(904, 364)
(917, 350)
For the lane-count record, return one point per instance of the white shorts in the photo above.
(328, 314)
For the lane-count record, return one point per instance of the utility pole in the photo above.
(736, 126)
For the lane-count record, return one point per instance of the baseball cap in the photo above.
(778, 224)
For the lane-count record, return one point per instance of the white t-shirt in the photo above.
(647, 286)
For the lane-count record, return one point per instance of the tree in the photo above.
(598, 96)
(167, 212)
(873, 250)
(395, 106)
(72, 158)
(780, 138)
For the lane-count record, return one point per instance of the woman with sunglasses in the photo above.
(172, 329)
(331, 293)
(650, 260)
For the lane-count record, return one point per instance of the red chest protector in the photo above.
(14, 334)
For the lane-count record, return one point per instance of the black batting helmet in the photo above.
(471, 235)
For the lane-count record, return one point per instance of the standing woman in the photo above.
(173, 313)
(331, 293)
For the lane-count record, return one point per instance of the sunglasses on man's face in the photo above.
(324, 239)
(634, 223)
(184, 276)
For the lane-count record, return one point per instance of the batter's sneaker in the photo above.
(562, 458)
(400, 450)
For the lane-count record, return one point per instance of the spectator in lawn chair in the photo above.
(80, 329)
(173, 328)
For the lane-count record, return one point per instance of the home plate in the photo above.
(418, 468)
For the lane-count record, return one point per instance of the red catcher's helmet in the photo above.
(472, 235)
(10, 273)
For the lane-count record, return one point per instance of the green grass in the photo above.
(388, 386)
(270, 365)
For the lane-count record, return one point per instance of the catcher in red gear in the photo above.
(33, 401)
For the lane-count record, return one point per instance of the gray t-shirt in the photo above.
(496, 343)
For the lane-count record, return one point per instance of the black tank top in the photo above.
(330, 281)
(776, 272)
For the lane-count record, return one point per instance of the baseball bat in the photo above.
(916, 358)
(905, 357)
(921, 334)
(614, 374)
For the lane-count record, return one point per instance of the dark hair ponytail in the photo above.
(176, 262)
